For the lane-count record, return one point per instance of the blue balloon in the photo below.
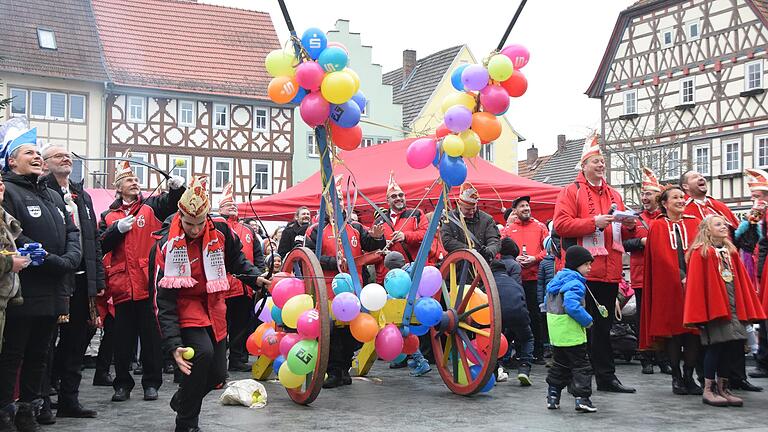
(360, 99)
(397, 283)
(333, 59)
(453, 170)
(314, 41)
(342, 282)
(475, 371)
(299, 96)
(277, 315)
(276, 363)
(428, 311)
(456, 77)
(419, 330)
(400, 358)
(436, 160)
(346, 115)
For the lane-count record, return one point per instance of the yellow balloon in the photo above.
(453, 145)
(281, 63)
(294, 307)
(471, 143)
(338, 87)
(289, 379)
(457, 98)
(354, 76)
(500, 67)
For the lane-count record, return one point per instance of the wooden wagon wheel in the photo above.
(303, 263)
(463, 271)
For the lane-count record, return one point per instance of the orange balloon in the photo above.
(282, 89)
(486, 126)
(364, 328)
(250, 345)
(258, 335)
(482, 316)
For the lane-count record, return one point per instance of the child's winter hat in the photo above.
(576, 256)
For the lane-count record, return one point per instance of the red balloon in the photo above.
(442, 130)
(346, 138)
(250, 345)
(271, 345)
(277, 277)
(410, 344)
(516, 85)
(503, 346)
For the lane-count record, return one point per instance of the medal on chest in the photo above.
(725, 265)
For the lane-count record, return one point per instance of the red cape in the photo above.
(706, 298)
(713, 206)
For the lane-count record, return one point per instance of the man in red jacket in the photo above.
(698, 204)
(126, 240)
(529, 234)
(239, 297)
(584, 216)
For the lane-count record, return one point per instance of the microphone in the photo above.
(613, 209)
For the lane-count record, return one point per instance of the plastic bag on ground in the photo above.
(245, 392)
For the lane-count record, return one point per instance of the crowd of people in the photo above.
(172, 286)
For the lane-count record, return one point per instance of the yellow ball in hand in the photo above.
(188, 354)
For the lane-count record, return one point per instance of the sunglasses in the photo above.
(399, 195)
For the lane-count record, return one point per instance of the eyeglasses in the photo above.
(59, 156)
(399, 195)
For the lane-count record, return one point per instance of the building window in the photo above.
(761, 151)
(77, 108)
(693, 28)
(140, 170)
(18, 101)
(731, 156)
(366, 109)
(260, 119)
(630, 102)
(631, 169)
(667, 38)
(312, 149)
(187, 113)
(46, 39)
(222, 173)
(701, 159)
(486, 152)
(262, 177)
(77, 171)
(136, 109)
(51, 106)
(673, 164)
(687, 91)
(220, 116)
(753, 77)
(58, 106)
(367, 142)
(180, 169)
(382, 140)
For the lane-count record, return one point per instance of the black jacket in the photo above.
(514, 311)
(289, 238)
(92, 261)
(44, 219)
(487, 237)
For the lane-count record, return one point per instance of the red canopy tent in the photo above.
(370, 168)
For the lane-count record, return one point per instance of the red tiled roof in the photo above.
(186, 46)
(526, 171)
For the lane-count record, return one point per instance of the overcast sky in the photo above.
(566, 39)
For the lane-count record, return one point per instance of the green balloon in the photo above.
(302, 357)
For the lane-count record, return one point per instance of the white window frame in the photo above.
(268, 189)
(707, 164)
(756, 151)
(624, 101)
(181, 111)
(682, 94)
(313, 150)
(42, 42)
(77, 168)
(366, 111)
(266, 119)
(144, 177)
(172, 168)
(725, 145)
(689, 25)
(382, 140)
(673, 166)
(215, 118)
(85, 108)
(747, 67)
(129, 105)
(632, 165)
(664, 32)
(45, 108)
(11, 92)
(48, 114)
(367, 142)
(486, 151)
(214, 161)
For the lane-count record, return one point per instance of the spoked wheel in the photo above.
(303, 263)
(464, 271)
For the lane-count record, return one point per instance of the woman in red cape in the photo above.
(661, 317)
(719, 299)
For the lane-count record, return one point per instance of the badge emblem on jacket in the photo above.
(353, 240)
(248, 238)
(140, 221)
(34, 211)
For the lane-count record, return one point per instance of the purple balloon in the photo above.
(431, 281)
(389, 342)
(474, 77)
(266, 313)
(345, 306)
(360, 100)
(458, 118)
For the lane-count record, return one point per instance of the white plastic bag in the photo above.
(246, 392)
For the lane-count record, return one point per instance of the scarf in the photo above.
(595, 242)
(177, 271)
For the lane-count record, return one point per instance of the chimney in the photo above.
(533, 156)
(409, 63)
(560, 142)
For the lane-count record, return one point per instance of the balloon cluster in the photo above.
(322, 84)
(470, 113)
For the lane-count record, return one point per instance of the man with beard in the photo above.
(293, 234)
(529, 234)
(698, 204)
(239, 298)
(482, 229)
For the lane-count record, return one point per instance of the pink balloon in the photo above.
(310, 75)
(494, 99)
(518, 54)
(389, 342)
(308, 325)
(287, 342)
(314, 109)
(285, 289)
(421, 153)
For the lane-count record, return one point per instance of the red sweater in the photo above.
(530, 234)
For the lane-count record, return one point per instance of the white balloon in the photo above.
(373, 297)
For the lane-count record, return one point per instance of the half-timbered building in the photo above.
(682, 86)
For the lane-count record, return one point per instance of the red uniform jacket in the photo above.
(663, 292)
(711, 206)
(249, 241)
(577, 205)
(530, 234)
(414, 230)
(706, 298)
(637, 255)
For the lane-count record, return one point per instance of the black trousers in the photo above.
(342, 348)
(106, 346)
(239, 310)
(532, 303)
(761, 360)
(26, 343)
(738, 361)
(570, 367)
(720, 358)
(137, 319)
(73, 341)
(599, 335)
(209, 368)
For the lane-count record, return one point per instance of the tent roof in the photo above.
(370, 168)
